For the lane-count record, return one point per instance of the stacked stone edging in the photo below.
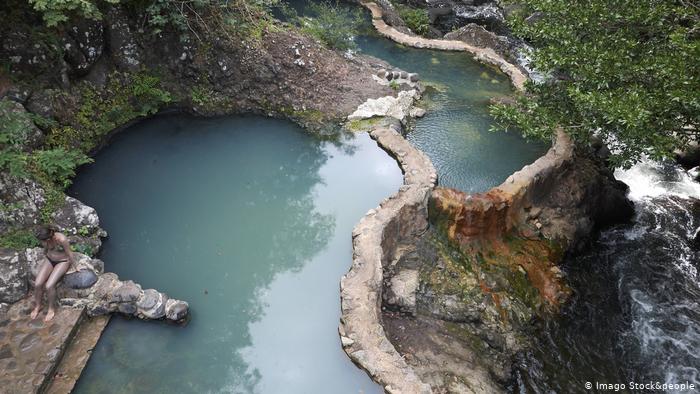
(485, 55)
(518, 183)
(398, 219)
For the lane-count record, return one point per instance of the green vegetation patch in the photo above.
(331, 24)
(18, 239)
(126, 97)
(415, 18)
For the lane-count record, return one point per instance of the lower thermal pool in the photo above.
(249, 219)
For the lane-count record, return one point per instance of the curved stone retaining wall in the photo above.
(519, 188)
(376, 239)
(485, 55)
(400, 219)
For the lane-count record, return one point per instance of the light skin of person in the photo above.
(49, 274)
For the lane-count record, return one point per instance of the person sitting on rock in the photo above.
(57, 261)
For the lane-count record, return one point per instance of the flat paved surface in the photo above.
(30, 349)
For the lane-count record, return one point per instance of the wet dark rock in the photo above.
(83, 45)
(487, 15)
(124, 51)
(80, 279)
(690, 157)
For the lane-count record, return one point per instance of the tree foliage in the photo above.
(58, 11)
(628, 70)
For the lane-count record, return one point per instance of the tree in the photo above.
(627, 70)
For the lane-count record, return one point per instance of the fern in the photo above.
(58, 164)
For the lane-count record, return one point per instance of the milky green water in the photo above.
(248, 219)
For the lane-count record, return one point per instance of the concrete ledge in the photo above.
(520, 188)
(77, 354)
(484, 55)
(376, 238)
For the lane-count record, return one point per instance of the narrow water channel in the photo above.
(249, 219)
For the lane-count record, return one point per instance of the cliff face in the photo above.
(274, 70)
(525, 224)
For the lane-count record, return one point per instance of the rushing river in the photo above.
(249, 220)
(635, 316)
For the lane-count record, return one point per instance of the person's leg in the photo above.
(55, 276)
(44, 272)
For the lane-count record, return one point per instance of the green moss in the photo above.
(54, 199)
(18, 239)
(306, 116)
(84, 249)
(364, 124)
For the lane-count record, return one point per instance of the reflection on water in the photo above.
(249, 219)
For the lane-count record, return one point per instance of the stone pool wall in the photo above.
(484, 55)
(377, 241)
(543, 197)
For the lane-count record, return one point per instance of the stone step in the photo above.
(30, 350)
(77, 354)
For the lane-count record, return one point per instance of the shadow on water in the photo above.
(249, 220)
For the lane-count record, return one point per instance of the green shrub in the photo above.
(627, 71)
(394, 85)
(84, 249)
(53, 167)
(18, 239)
(333, 25)
(416, 19)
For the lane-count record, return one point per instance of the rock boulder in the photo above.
(13, 276)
